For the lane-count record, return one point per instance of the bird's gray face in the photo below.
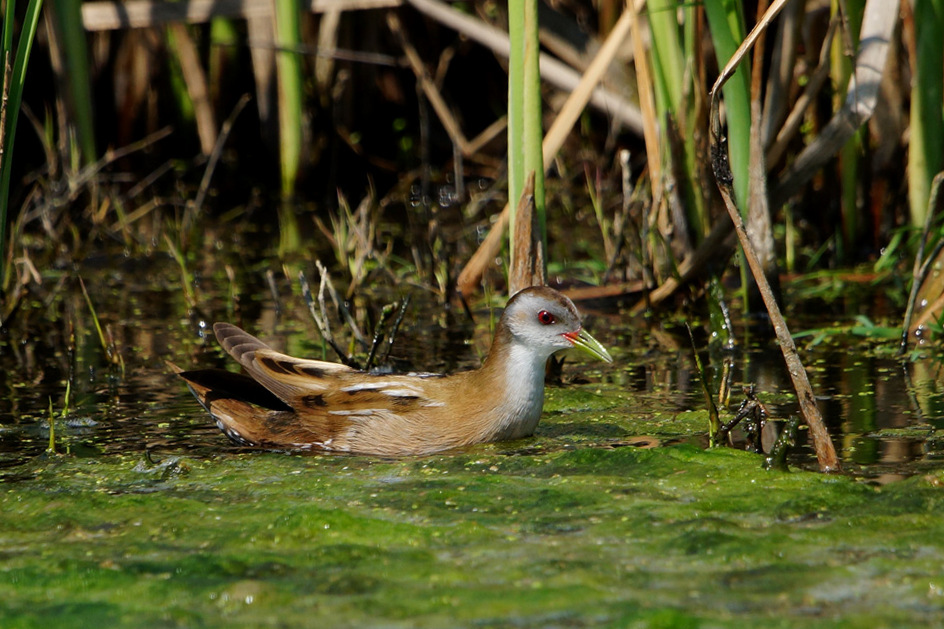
(546, 321)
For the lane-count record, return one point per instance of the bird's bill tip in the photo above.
(585, 342)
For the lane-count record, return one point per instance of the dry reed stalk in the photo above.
(759, 223)
(794, 120)
(328, 29)
(260, 32)
(553, 71)
(922, 268)
(217, 152)
(878, 25)
(647, 105)
(783, 64)
(822, 444)
(449, 122)
(196, 81)
(106, 15)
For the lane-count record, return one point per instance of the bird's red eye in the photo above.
(546, 317)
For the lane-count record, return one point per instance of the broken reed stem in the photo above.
(822, 444)
(527, 262)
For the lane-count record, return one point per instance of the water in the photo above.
(614, 514)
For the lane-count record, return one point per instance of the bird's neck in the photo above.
(512, 377)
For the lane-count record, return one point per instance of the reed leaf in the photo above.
(14, 75)
(673, 52)
(71, 34)
(178, 83)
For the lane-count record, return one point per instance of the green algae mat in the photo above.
(673, 536)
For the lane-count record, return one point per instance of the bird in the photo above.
(298, 404)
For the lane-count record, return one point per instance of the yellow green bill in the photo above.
(582, 340)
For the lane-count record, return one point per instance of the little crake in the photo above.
(293, 403)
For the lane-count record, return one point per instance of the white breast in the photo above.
(520, 410)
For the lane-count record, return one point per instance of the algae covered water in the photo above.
(614, 514)
(673, 536)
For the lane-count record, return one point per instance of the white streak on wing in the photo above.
(368, 386)
(358, 412)
(402, 392)
(387, 387)
(433, 403)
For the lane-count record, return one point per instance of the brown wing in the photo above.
(287, 377)
(293, 402)
(316, 388)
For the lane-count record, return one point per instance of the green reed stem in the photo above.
(850, 156)
(291, 96)
(672, 52)
(525, 133)
(51, 448)
(668, 62)
(926, 148)
(111, 352)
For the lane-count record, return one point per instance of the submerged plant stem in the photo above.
(714, 423)
(111, 352)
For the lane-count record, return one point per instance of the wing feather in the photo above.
(287, 377)
(331, 403)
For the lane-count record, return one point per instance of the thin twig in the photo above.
(321, 319)
(345, 313)
(401, 313)
(217, 152)
(378, 335)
